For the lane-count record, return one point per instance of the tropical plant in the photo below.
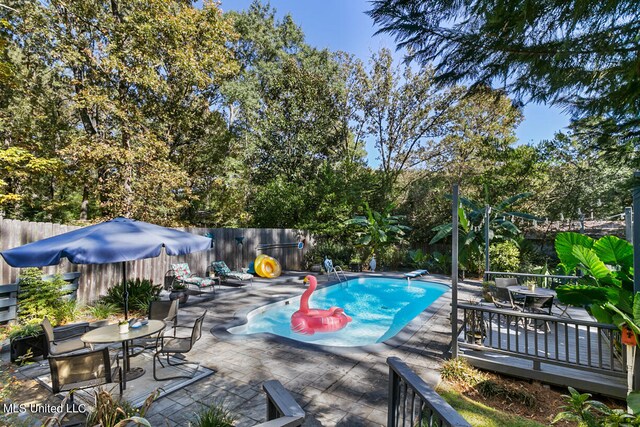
(471, 223)
(375, 230)
(102, 309)
(606, 287)
(581, 409)
(418, 258)
(141, 293)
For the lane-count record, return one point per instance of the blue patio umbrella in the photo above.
(117, 240)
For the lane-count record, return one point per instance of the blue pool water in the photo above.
(380, 308)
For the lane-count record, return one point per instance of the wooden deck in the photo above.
(573, 352)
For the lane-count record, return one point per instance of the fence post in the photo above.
(394, 384)
(454, 273)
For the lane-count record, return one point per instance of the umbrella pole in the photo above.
(126, 290)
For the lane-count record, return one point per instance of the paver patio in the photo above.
(335, 386)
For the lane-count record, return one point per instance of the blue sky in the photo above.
(343, 25)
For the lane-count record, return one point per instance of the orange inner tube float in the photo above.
(309, 321)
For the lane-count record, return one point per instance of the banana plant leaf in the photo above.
(585, 295)
(613, 250)
(565, 242)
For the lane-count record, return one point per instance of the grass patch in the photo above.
(479, 415)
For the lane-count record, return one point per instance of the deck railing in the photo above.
(413, 403)
(571, 343)
(282, 409)
(542, 280)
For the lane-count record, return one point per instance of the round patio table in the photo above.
(524, 290)
(111, 334)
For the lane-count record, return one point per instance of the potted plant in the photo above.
(27, 341)
(179, 292)
(123, 325)
(475, 328)
(355, 264)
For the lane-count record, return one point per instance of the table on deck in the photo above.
(111, 334)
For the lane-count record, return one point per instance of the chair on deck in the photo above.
(221, 270)
(182, 274)
(167, 311)
(71, 341)
(502, 298)
(538, 304)
(168, 345)
(83, 370)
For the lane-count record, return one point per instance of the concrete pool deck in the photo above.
(334, 386)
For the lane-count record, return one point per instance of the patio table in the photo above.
(524, 290)
(111, 334)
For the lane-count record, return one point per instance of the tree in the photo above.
(581, 54)
(404, 114)
(138, 78)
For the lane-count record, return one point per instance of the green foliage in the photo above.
(39, 298)
(439, 263)
(375, 230)
(141, 293)
(215, 415)
(592, 413)
(459, 370)
(561, 53)
(606, 287)
(32, 329)
(103, 309)
(391, 257)
(418, 258)
(471, 223)
(504, 256)
(339, 253)
(112, 412)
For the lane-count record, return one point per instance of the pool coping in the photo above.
(398, 340)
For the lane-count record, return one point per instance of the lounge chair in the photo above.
(414, 274)
(183, 275)
(221, 270)
(335, 270)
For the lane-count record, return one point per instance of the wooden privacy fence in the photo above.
(236, 246)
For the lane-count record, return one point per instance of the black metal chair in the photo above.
(502, 298)
(71, 341)
(167, 311)
(83, 370)
(172, 345)
(538, 304)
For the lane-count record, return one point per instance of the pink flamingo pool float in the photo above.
(309, 321)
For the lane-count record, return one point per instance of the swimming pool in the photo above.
(380, 308)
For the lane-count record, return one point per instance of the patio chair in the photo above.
(83, 370)
(71, 341)
(224, 273)
(333, 269)
(167, 311)
(170, 345)
(182, 274)
(504, 283)
(538, 304)
(503, 298)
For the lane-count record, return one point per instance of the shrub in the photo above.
(504, 256)
(439, 263)
(110, 412)
(102, 309)
(141, 293)
(390, 257)
(458, 370)
(339, 253)
(215, 415)
(39, 298)
(488, 286)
